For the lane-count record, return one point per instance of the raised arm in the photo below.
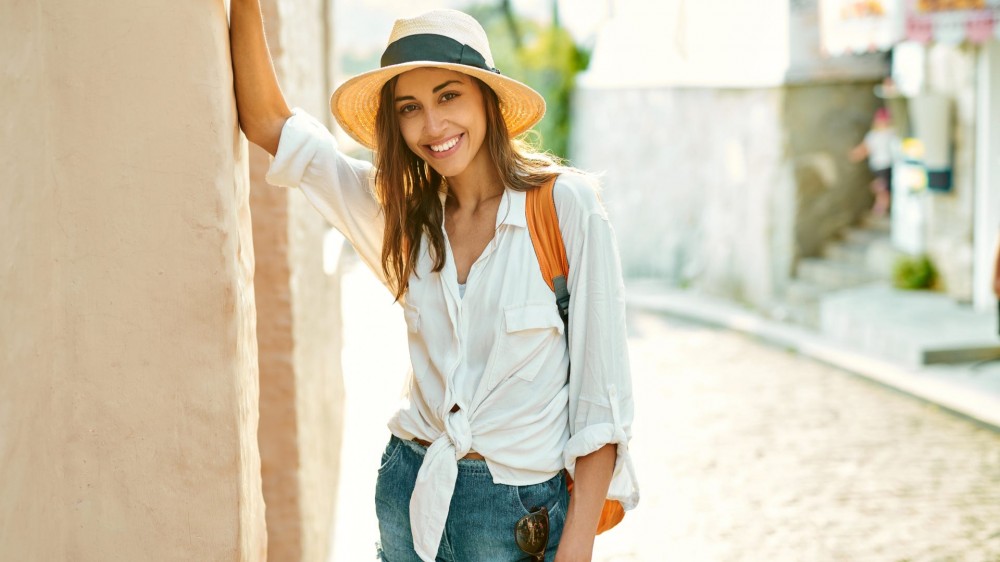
(259, 102)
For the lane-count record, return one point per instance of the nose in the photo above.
(434, 122)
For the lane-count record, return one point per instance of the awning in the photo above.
(860, 26)
(952, 21)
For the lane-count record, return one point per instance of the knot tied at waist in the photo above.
(435, 483)
(471, 456)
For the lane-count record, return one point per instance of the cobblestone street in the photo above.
(744, 452)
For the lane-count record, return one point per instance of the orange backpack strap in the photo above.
(543, 226)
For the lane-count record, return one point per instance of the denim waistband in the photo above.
(464, 465)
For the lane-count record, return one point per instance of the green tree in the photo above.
(544, 57)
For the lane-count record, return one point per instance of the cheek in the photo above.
(479, 123)
(410, 132)
(479, 133)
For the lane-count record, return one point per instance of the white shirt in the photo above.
(499, 353)
(879, 143)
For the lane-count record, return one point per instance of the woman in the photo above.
(495, 414)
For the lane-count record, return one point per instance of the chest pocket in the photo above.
(528, 334)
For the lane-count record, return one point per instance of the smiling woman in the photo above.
(503, 404)
(440, 115)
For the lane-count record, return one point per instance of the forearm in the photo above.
(259, 102)
(590, 489)
(858, 153)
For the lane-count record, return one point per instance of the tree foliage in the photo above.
(542, 56)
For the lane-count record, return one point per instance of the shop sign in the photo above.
(952, 21)
(860, 26)
(932, 6)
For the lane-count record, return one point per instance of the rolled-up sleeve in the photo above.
(600, 385)
(339, 187)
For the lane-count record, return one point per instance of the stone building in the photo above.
(171, 340)
(723, 133)
(946, 66)
(724, 127)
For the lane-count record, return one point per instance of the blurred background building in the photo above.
(722, 131)
(723, 128)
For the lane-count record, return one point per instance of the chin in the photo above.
(447, 170)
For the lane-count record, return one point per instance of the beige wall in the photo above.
(299, 314)
(128, 415)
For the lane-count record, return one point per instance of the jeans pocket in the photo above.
(390, 454)
(548, 494)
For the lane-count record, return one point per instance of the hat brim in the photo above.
(355, 103)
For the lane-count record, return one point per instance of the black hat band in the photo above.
(433, 47)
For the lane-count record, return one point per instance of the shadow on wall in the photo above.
(824, 121)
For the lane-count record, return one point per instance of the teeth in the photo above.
(445, 145)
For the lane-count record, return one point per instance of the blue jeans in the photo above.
(481, 517)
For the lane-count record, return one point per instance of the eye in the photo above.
(407, 108)
(448, 96)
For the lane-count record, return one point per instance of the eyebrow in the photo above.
(436, 89)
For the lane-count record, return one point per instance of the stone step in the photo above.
(912, 327)
(802, 313)
(877, 224)
(849, 252)
(832, 275)
(864, 235)
(880, 258)
(801, 292)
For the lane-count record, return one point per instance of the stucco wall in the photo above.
(697, 182)
(299, 313)
(128, 416)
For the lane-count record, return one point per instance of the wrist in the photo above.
(577, 542)
(570, 551)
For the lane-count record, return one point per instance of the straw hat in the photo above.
(441, 39)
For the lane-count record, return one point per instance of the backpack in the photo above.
(543, 227)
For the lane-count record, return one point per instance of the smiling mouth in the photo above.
(445, 148)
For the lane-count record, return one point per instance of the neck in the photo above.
(477, 183)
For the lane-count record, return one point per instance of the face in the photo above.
(442, 118)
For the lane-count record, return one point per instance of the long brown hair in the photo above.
(407, 188)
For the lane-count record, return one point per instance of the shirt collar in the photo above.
(511, 210)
